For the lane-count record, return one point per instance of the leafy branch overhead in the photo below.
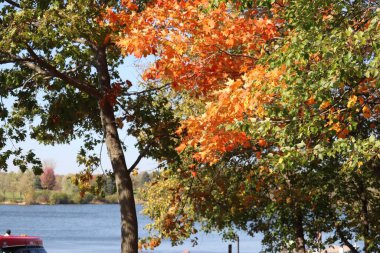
(282, 96)
(60, 81)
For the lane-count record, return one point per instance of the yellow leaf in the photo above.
(352, 101)
(135, 172)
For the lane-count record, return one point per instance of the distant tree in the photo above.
(26, 186)
(12, 186)
(58, 182)
(142, 178)
(68, 187)
(48, 179)
(145, 177)
(37, 183)
(110, 185)
(3, 182)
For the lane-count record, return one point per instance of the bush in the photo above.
(29, 197)
(59, 198)
(75, 198)
(2, 197)
(42, 197)
(87, 198)
(112, 199)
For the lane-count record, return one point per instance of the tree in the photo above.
(3, 183)
(289, 91)
(26, 186)
(61, 51)
(37, 183)
(48, 179)
(68, 187)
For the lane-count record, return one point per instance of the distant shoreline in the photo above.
(96, 202)
(48, 204)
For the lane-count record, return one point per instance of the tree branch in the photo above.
(36, 68)
(6, 57)
(86, 42)
(51, 70)
(236, 55)
(141, 155)
(136, 93)
(344, 239)
(13, 3)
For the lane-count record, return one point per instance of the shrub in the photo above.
(75, 198)
(29, 197)
(59, 198)
(112, 199)
(42, 197)
(87, 198)
(2, 197)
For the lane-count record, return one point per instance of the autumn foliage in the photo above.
(209, 52)
(286, 94)
(48, 179)
(220, 56)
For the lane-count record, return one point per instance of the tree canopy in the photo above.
(59, 81)
(286, 118)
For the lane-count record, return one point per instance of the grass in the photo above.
(12, 196)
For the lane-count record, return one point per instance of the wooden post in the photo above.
(229, 248)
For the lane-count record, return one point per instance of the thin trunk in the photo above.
(129, 228)
(364, 213)
(300, 239)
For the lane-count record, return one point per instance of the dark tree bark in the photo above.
(129, 227)
(364, 212)
(300, 239)
(344, 239)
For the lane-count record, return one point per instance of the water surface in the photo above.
(96, 229)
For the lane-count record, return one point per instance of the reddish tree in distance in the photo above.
(48, 178)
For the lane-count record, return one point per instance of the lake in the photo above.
(96, 229)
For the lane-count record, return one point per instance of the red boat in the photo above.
(21, 244)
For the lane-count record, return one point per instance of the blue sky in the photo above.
(64, 156)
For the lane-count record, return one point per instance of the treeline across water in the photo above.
(48, 188)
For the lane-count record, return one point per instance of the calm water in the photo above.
(96, 229)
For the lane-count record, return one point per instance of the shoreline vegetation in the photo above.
(95, 201)
(17, 188)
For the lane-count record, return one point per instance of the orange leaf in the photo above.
(324, 105)
(342, 134)
(180, 148)
(262, 143)
(310, 101)
(366, 112)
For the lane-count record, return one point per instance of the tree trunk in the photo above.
(300, 240)
(129, 227)
(364, 213)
